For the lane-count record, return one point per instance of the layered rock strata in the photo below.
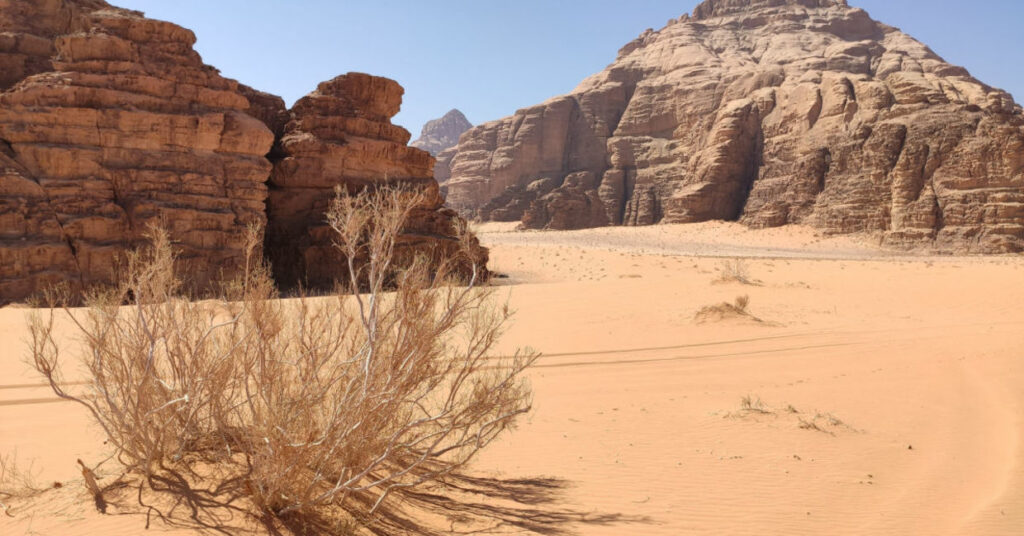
(341, 135)
(111, 123)
(130, 129)
(769, 112)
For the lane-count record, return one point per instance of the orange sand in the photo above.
(890, 387)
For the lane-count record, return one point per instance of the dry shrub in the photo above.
(16, 483)
(726, 311)
(824, 422)
(312, 409)
(753, 405)
(750, 406)
(735, 271)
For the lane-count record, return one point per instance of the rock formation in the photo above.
(341, 135)
(768, 112)
(128, 129)
(439, 138)
(110, 122)
(443, 133)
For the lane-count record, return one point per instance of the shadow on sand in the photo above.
(463, 505)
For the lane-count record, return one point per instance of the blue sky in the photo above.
(490, 57)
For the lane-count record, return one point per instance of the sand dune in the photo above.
(883, 392)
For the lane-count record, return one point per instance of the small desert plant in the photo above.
(310, 408)
(724, 311)
(821, 422)
(812, 425)
(15, 483)
(753, 405)
(735, 271)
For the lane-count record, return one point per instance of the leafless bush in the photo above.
(735, 271)
(726, 311)
(310, 408)
(16, 482)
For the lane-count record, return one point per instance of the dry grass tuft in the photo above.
(750, 404)
(825, 423)
(726, 311)
(735, 271)
(16, 483)
(813, 425)
(320, 414)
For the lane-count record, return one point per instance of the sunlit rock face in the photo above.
(111, 123)
(768, 112)
(341, 136)
(119, 128)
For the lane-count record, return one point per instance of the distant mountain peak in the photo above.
(442, 133)
(718, 8)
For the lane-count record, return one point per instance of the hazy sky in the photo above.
(491, 57)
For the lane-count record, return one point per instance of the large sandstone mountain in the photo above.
(111, 122)
(768, 112)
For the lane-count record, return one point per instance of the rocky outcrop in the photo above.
(128, 130)
(443, 133)
(110, 123)
(768, 112)
(28, 30)
(341, 136)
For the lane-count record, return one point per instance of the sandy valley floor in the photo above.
(886, 394)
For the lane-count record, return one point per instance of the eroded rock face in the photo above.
(769, 112)
(341, 136)
(128, 129)
(28, 29)
(111, 123)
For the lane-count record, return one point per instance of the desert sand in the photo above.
(866, 393)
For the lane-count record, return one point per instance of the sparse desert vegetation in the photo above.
(619, 368)
(318, 412)
(726, 311)
(16, 483)
(754, 406)
(772, 254)
(735, 271)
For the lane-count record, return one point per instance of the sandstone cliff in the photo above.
(111, 122)
(769, 112)
(341, 134)
(128, 129)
